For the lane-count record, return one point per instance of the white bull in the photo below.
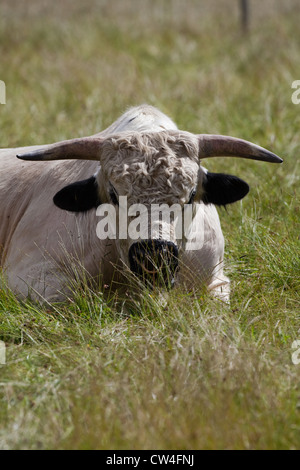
(48, 208)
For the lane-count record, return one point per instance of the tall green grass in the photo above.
(104, 372)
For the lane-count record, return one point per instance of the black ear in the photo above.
(221, 189)
(78, 197)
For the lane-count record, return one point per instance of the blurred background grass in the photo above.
(72, 68)
(196, 374)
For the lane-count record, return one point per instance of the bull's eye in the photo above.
(113, 195)
(192, 195)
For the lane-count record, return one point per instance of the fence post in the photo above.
(244, 7)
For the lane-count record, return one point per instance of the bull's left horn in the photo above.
(86, 148)
(211, 145)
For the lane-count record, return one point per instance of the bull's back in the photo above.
(26, 195)
(143, 118)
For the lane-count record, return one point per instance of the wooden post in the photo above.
(244, 6)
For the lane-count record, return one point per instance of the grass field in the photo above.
(195, 374)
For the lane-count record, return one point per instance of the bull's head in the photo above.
(152, 169)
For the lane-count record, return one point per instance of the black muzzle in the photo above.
(154, 261)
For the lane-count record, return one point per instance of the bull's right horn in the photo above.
(211, 145)
(86, 148)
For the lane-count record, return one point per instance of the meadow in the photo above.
(196, 373)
